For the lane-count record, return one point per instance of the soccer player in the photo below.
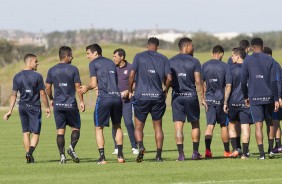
(150, 70)
(31, 86)
(66, 81)
(277, 116)
(186, 81)
(123, 69)
(234, 105)
(103, 76)
(245, 44)
(259, 87)
(216, 79)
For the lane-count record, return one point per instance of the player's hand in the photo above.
(225, 108)
(82, 106)
(280, 102)
(276, 106)
(83, 89)
(124, 94)
(247, 102)
(130, 95)
(7, 115)
(205, 105)
(48, 112)
(51, 103)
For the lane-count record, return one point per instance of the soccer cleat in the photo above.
(243, 157)
(208, 153)
(227, 154)
(29, 158)
(140, 155)
(235, 154)
(115, 152)
(101, 160)
(73, 155)
(280, 149)
(121, 159)
(261, 157)
(271, 155)
(181, 157)
(239, 152)
(159, 159)
(275, 150)
(135, 151)
(63, 159)
(196, 156)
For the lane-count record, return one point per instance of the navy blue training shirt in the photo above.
(183, 67)
(236, 99)
(151, 68)
(64, 76)
(230, 62)
(29, 83)
(215, 74)
(105, 71)
(123, 75)
(259, 82)
(278, 77)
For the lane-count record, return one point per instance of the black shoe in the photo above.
(261, 158)
(29, 158)
(101, 160)
(140, 155)
(159, 159)
(73, 155)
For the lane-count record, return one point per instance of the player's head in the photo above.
(30, 61)
(245, 44)
(217, 52)
(257, 45)
(185, 45)
(93, 51)
(119, 56)
(65, 54)
(153, 43)
(267, 50)
(238, 54)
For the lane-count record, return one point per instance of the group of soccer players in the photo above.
(247, 90)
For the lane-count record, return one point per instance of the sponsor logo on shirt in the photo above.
(114, 93)
(63, 84)
(151, 94)
(111, 71)
(125, 72)
(28, 91)
(214, 101)
(151, 71)
(238, 105)
(184, 94)
(182, 75)
(261, 99)
(259, 76)
(213, 80)
(64, 105)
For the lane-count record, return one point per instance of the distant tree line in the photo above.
(202, 41)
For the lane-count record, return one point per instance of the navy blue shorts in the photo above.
(183, 107)
(105, 108)
(143, 107)
(277, 115)
(262, 112)
(215, 114)
(240, 115)
(30, 118)
(64, 117)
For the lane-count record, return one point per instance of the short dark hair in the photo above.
(154, 41)
(239, 51)
(183, 41)
(64, 51)
(257, 42)
(267, 50)
(94, 47)
(120, 52)
(244, 44)
(217, 49)
(28, 56)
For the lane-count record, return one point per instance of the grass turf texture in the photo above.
(13, 168)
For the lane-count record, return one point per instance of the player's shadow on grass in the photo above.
(154, 151)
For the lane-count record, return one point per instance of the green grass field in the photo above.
(13, 168)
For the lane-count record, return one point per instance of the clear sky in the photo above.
(127, 15)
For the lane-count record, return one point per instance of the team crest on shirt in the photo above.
(125, 72)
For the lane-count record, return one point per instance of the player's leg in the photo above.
(245, 120)
(60, 120)
(195, 134)
(211, 120)
(179, 138)
(268, 113)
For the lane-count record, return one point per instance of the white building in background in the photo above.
(229, 35)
